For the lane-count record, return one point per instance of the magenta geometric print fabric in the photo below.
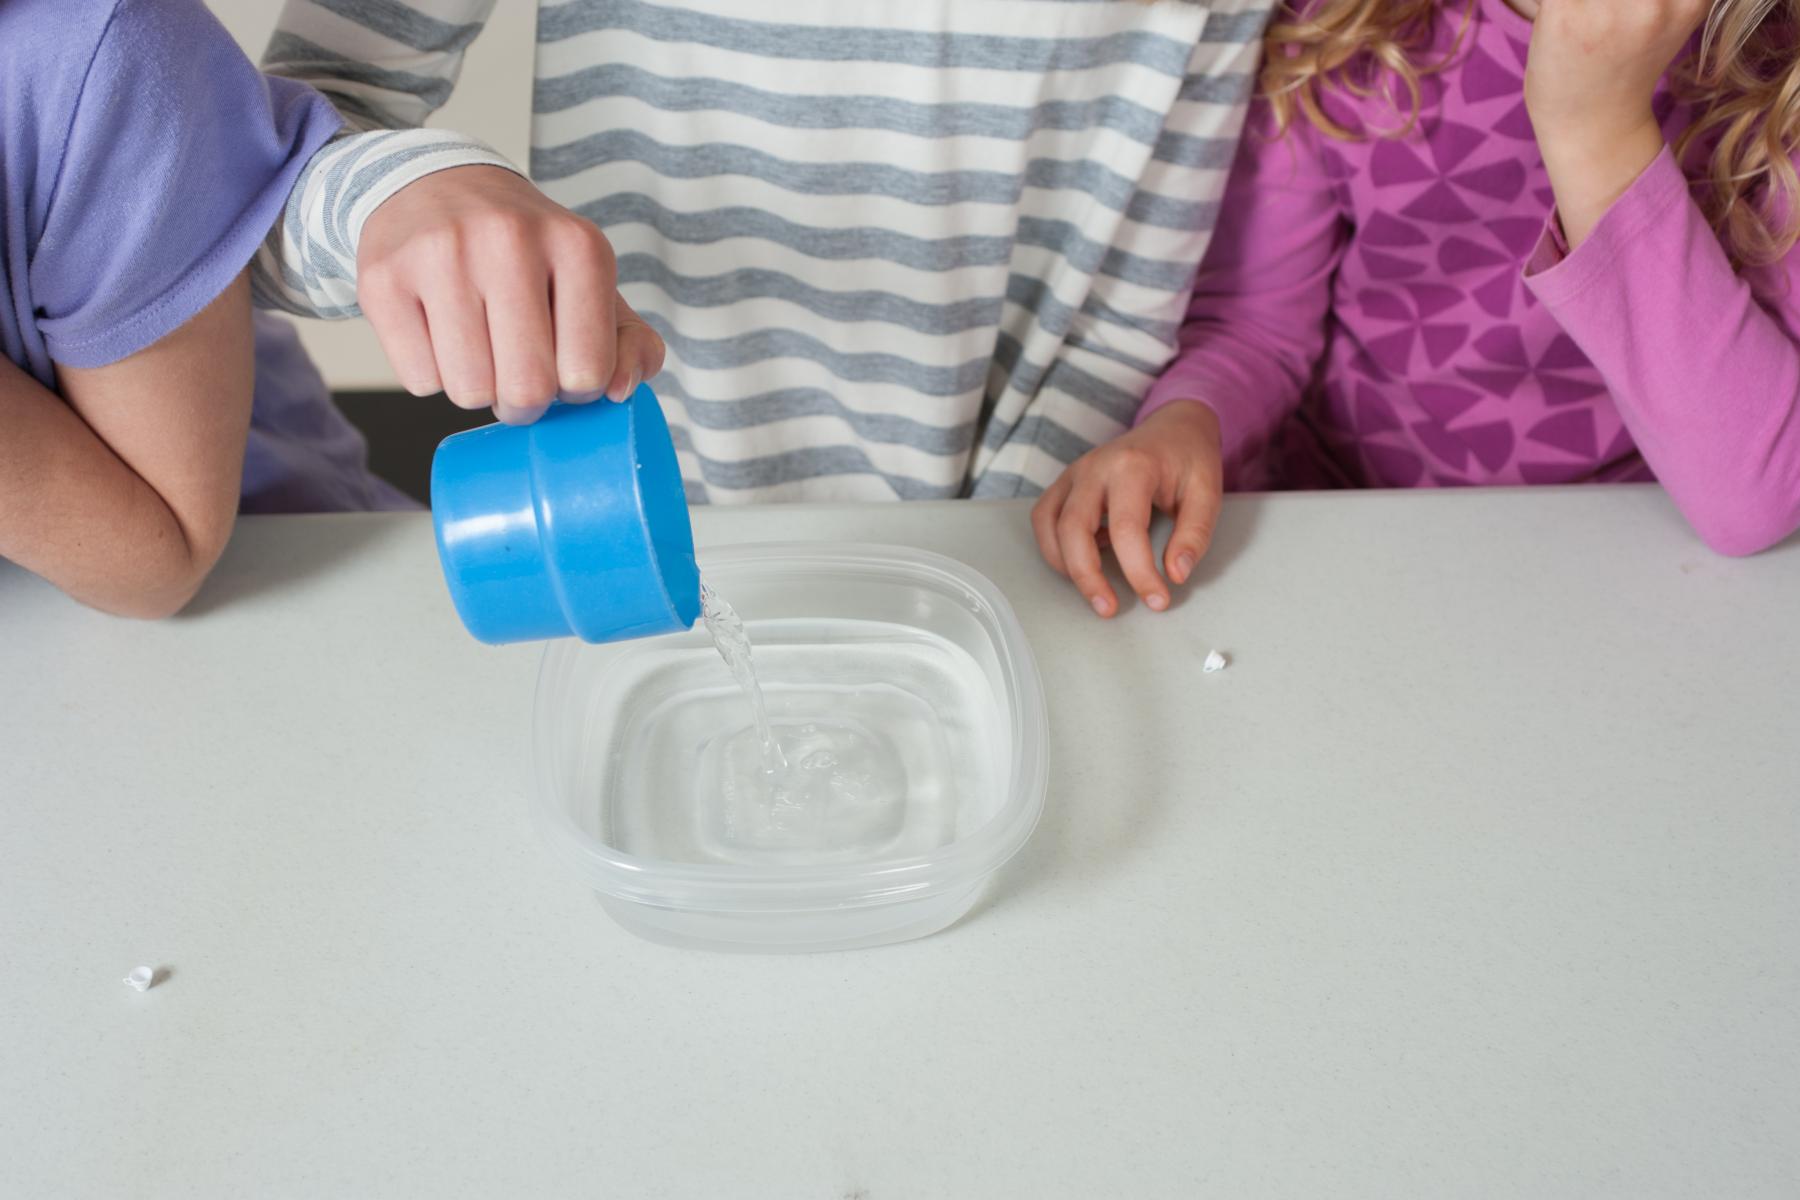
(1435, 364)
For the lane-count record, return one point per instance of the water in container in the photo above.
(820, 784)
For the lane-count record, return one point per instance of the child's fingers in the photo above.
(1128, 520)
(1076, 526)
(651, 350)
(525, 376)
(1195, 517)
(640, 352)
(399, 324)
(583, 299)
(457, 322)
(1043, 522)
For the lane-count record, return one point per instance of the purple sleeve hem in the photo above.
(79, 347)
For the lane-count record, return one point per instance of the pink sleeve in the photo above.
(1704, 363)
(1256, 325)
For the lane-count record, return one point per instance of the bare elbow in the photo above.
(163, 588)
(156, 599)
(176, 597)
(146, 610)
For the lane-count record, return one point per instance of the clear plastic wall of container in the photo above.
(917, 650)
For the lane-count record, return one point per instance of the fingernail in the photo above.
(1157, 601)
(1184, 564)
(1100, 605)
(582, 397)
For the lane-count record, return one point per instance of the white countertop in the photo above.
(1476, 874)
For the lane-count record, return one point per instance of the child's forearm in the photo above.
(1256, 325)
(475, 283)
(308, 263)
(74, 513)
(1588, 179)
(122, 491)
(1706, 372)
(385, 83)
(1590, 82)
(1249, 383)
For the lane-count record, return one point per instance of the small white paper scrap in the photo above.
(141, 978)
(1215, 662)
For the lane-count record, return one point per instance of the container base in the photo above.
(794, 932)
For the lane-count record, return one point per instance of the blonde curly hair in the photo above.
(1744, 85)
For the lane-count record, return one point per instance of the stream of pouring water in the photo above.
(727, 631)
(829, 785)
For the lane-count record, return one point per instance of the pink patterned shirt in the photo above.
(1399, 313)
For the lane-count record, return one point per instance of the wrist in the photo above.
(1590, 168)
(1593, 136)
(1189, 411)
(392, 199)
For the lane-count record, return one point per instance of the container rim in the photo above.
(770, 888)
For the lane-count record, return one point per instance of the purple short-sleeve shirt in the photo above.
(142, 161)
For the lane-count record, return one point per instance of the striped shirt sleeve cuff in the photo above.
(307, 264)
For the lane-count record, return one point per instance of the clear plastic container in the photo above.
(912, 647)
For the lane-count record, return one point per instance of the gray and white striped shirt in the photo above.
(897, 248)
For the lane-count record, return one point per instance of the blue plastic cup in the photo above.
(576, 524)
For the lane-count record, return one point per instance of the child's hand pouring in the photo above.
(1171, 462)
(481, 286)
(1593, 72)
